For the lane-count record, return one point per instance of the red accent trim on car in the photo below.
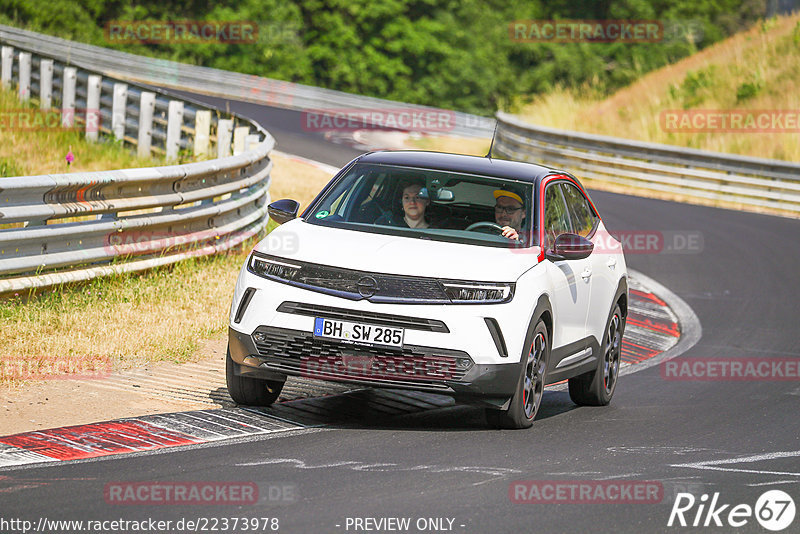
(546, 180)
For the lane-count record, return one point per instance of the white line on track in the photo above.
(717, 465)
(356, 465)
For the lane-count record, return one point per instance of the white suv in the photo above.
(507, 281)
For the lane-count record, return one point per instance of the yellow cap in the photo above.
(503, 193)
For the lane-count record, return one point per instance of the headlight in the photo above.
(478, 293)
(271, 268)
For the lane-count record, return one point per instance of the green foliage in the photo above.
(9, 167)
(749, 89)
(694, 88)
(450, 53)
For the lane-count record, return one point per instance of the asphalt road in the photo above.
(743, 286)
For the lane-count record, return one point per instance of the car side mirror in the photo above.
(283, 210)
(570, 247)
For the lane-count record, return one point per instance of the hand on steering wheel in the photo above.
(505, 231)
(484, 224)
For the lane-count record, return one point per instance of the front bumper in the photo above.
(274, 353)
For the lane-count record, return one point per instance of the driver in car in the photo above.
(509, 212)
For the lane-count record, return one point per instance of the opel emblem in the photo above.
(367, 286)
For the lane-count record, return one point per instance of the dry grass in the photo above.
(122, 321)
(755, 70)
(295, 179)
(28, 152)
(131, 320)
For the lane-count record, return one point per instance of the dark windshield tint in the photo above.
(428, 204)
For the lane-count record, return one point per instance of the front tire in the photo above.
(250, 391)
(597, 387)
(530, 388)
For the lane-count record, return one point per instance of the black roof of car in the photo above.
(500, 168)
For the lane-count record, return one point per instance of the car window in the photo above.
(556, 216)
(583, 219)
(457, 206)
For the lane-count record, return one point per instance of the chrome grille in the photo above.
(345, 283)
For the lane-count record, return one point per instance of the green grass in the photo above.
(27, 152)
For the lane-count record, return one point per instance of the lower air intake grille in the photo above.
(299, 353)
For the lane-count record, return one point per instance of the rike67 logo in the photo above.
(774, 510)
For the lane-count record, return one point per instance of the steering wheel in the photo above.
(484, 224)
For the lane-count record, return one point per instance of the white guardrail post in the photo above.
(118, 105)
(46, 83)
(127, 218)
(202, 133)
(93, 118)
(68, 82)
(24, 76)
(147, 105)
(224, 132)
(174, 125)
(236, 189)
(251, 141)
(240, 139)
(7, 58)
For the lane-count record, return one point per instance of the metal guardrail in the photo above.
(215, 82)
(756, 182)
(61, 228)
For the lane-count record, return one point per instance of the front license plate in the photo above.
(368, 334)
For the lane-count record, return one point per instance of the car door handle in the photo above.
(586, 274)
(612, 262)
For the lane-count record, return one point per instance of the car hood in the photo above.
(389, 254)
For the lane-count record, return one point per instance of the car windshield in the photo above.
(427, 204)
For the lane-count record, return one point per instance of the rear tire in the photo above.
(250, 391)
(597, 387)
(528, 397)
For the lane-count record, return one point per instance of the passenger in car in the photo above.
(509, 212)
(414, 204)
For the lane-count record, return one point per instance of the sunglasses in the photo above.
(506, 210)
